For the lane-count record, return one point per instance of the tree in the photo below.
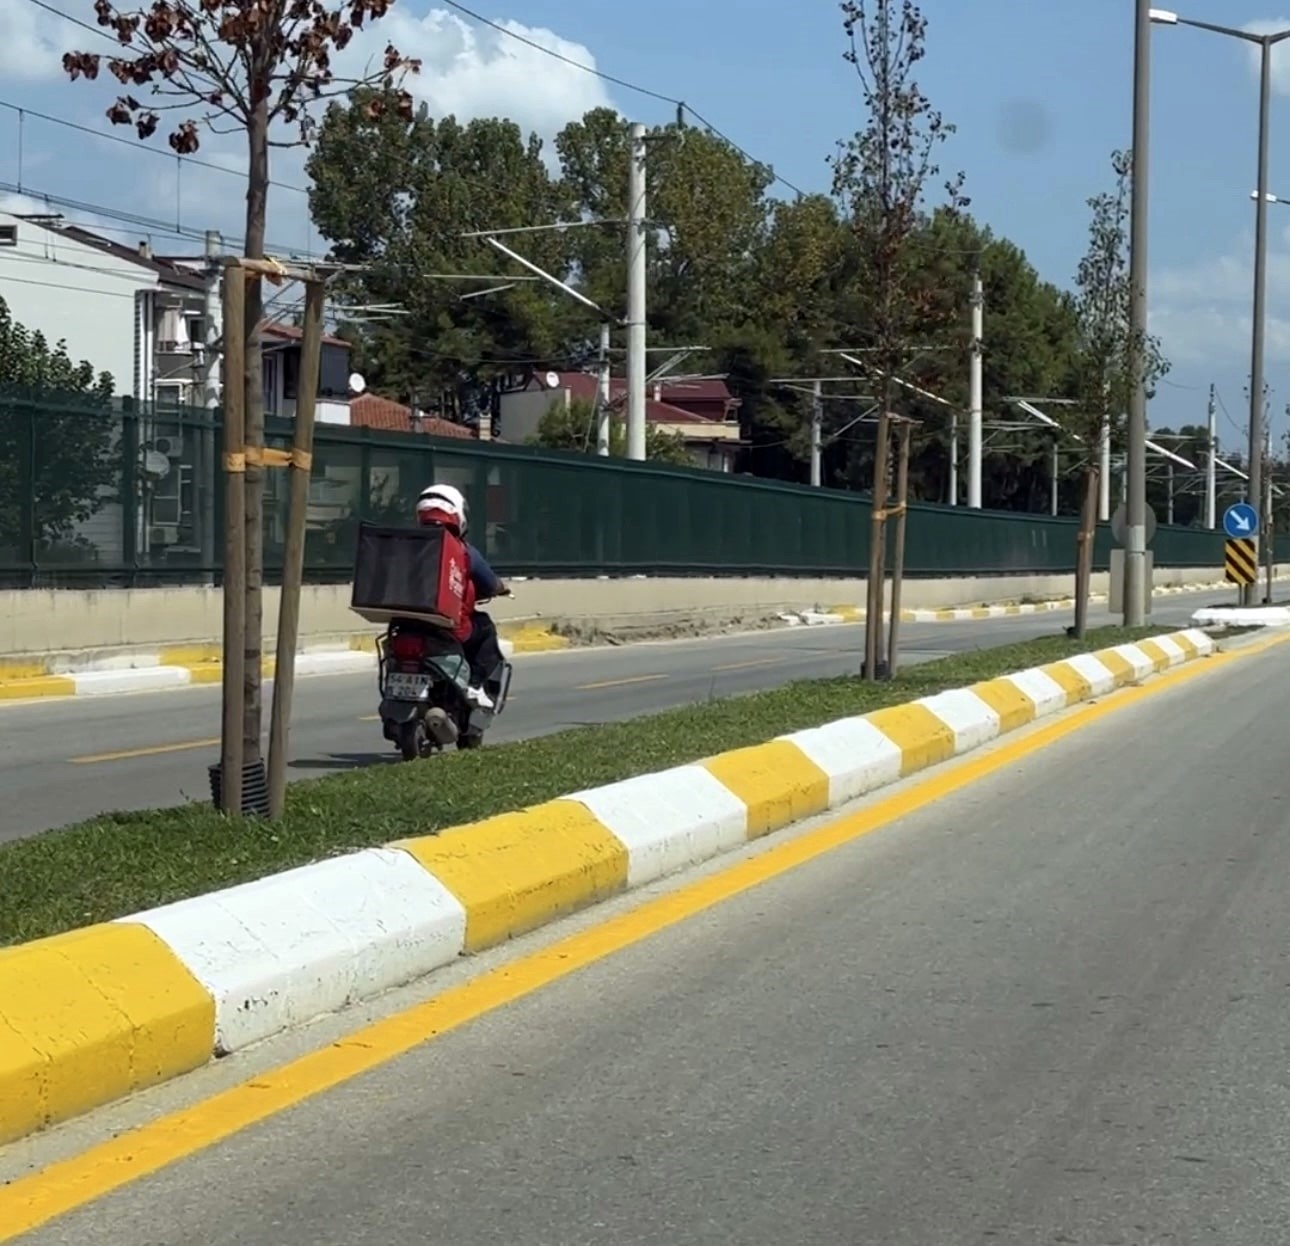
(399, 197)
(1102, 373)
(259, 65)
(881, 178)
(57, 466)
(707, 203)
(572, 426)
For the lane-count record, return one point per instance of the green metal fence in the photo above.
(120, 496)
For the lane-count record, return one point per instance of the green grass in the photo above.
(120, 863)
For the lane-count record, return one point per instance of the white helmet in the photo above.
(444, 498)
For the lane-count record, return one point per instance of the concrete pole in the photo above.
(817, 430)
(1169, 486)
(954, 460)
(1260, 292)
(212, 317)
(603, 395)
(1211, 482)
(637, 234)
(1135, 541)
(1104, 472)
(975, 401)
(1054, 484)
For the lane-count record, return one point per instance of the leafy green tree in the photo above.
(572, 426)
(707, 202)
(398, 197)
(57, 440)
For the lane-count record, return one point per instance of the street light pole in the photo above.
(1265, 43)
(1260, 292)
(1135, 545)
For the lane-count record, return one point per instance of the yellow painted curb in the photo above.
(37, 686)
(92, 1016)
(518, 871)
(533, 638)
(776, 781)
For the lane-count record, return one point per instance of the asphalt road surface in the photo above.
(1050, 1007)
(62, 761)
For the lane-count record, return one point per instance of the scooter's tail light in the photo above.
(407, 647)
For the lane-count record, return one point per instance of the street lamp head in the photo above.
(1164, 17)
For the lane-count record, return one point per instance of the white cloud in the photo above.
(32, 42)
(1202, 311)
(467, 71)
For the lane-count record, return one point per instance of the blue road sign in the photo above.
(1240, 519)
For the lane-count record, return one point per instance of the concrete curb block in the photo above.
(94, 1015)
(850, 614)
(160, 671)
(1243, 616)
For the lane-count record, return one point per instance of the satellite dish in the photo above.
(552, 380)
(357, 383)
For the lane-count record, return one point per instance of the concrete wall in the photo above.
(44, 621)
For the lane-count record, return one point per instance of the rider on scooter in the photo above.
(445, 505)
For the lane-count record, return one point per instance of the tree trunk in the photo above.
(257, 193)
(1084, 550)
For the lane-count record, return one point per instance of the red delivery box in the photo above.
(410, 573)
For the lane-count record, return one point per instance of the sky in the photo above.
(1039, 90)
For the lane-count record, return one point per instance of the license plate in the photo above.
(404, 687)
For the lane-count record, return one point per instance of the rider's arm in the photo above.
(485, 578)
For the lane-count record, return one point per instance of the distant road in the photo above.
(61, 761)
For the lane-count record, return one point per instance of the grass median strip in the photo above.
(120, 863)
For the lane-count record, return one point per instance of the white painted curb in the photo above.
(1244, 616)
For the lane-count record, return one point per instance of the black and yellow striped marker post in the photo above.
(1241, 560)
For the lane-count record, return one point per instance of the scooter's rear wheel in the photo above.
(412, 740)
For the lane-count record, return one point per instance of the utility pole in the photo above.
(1104, 471)
(1169, 486)
(817, 429)
(1135, 543)
(637, 236)
(211, 332)
(975, 401)
(1054, 473)
(953, 499)
(603, 395)
(1211, 480)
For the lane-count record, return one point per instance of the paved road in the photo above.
(1051, 1008)
(67, 760)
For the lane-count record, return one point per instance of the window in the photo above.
(290, 373)
(271, 384)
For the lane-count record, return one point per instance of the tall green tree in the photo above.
(708, 206)
(399, 198)
(57, 437)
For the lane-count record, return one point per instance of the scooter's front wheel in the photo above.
(412, 740)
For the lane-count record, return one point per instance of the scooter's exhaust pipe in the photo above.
(440, 728)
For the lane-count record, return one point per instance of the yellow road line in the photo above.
(35, 1200)
(618, 683)
(151, 750)
(743, 666)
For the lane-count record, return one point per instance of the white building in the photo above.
(142, 319)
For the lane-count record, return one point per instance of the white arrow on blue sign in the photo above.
(1240, 519)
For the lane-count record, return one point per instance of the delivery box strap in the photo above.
(268, 456)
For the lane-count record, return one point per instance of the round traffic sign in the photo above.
(1240, 520)
(1120, 525)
